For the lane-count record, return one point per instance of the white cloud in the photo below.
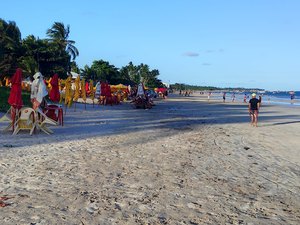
(191, 54)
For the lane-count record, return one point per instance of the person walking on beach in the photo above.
(259, 100)
(253, 109)
(245, 98)
(208, 96)
(292, 93)
(224, 96)
(233, 97)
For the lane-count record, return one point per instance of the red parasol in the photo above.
(15, 97)
(107, 90)
(54, 92)
(103, 88)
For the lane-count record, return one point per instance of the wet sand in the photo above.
(186, 161)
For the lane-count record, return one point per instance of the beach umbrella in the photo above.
(54, 92)
(7, 81)
(87, 88)
(83, 92)
(38, 90)
(103, 88)
(77, 88)
(92, 91)
(15, 96)
(68, 92)
(141, 90)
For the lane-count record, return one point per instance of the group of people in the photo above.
(253, 105)
(140, 98)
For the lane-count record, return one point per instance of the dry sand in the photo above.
(186, 161)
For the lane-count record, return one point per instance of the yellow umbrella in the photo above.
(83, 92)
(7, 81)
(49, 83)
(92, 91)
(77, 89)
(68, 93)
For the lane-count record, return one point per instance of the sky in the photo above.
(222, 43)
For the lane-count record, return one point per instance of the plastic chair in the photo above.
(26, 120)
(43, 120)
(10, 116)
(55, 112)
(7, 118)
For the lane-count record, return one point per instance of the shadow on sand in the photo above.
(173, 115)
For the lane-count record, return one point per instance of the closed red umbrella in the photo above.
(54, 92)
(15, 97)
(103, 89)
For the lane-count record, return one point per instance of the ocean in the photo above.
(281, 97)
(268, 97)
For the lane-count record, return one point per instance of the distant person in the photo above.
(259, 100)
(208, 96)
(233, 97)
(224, 96)
(245, 98)
(292, 97)
(253, 110)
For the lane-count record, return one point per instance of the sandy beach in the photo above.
(185, 161)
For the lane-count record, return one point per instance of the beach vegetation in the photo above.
(57, 54)
(4, 94)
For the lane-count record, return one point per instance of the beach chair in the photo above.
(43, 120)
(54, 111)
(10, 116)
(26, 120)
(7, 118)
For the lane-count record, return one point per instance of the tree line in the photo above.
(57, 54)
(181, 86)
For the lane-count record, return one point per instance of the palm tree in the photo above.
(60, 34)
(10, 46)
(88, 73)
(133, 72)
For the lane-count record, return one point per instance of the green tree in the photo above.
(10, 47)
(88, 73)
(74, 67)
(133, 72)
(44, 56)
(59, 35)
(102, 70)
